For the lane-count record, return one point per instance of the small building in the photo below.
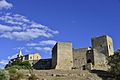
(32, 58)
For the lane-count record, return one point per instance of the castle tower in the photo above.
(20, 53)
(62, 57)
(103, 44)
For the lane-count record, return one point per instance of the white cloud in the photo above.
(43, 48)
(4, 4)
(20, 28)
(48, 42)
(42, 43)
(12, 57)
(38, 48)
(4, 62)
(27, 51)
(18, 48)
(5, 28)
(32, 44)
(47, 48)
(45, 45)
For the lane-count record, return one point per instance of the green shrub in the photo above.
(19, 65)
(4, 75)
(26, 64)
(14, 74)
(16, 67)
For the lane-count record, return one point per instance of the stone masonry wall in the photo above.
(103, 44)
(110, 46)
(54, 56)
(79, 58)
(100, 61)
(62, 54)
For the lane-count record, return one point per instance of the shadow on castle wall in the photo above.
(105, 75)
(43, 64)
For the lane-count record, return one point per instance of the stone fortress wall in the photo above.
(79, 58)
(64, 57)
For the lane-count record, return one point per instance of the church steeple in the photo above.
(20, 53)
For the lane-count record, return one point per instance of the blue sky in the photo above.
(36, 25)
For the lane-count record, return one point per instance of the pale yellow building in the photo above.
(32, 58)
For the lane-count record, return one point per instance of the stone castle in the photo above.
(64, 57)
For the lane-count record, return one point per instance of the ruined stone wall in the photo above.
(62, 57)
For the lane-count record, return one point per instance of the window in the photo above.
(30, 57)
(109, 47)
(37, 57)
(26, 57)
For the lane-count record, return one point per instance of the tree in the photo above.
(4, 75)
(114, 62)
(19, 65)
(26, 64)
(14, 74)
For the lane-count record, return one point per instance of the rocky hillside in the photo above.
(66, 75)
(69, 75)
